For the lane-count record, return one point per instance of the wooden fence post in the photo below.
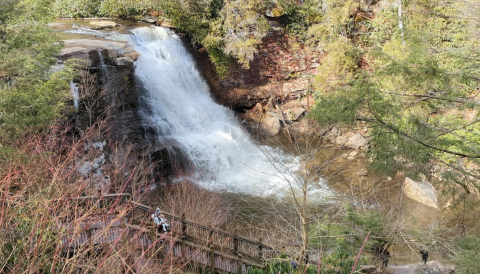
(260, 247)
(184, 225)
(183, 251)
(239, 264)
(235, 242)
(89, 237)
(210, 237)
(212, 259)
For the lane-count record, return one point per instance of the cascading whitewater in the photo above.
(181, 108)
(74, 92)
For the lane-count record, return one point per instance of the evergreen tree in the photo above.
(417, 93)
(31, 96)
(239, 29)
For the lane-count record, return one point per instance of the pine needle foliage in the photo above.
(416, 90)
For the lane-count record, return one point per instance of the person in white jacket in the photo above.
(157, 220)
(163, 223)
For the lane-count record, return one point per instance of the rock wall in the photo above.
(280, 70)
(106, 86)
(273, 92)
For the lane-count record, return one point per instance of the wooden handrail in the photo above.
(181, 226)
(204, 248)
(176, 218)
(102, 196)
(221, 232)
(225, 251)
(256, 248)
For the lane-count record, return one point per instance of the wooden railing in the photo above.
(104, 201)
(205, 236)
(208, 256)
(95, 233)
(214, 248)
(108, 204)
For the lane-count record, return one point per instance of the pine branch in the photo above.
(426, 96)
(408, 136)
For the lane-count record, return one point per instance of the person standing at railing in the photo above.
(157, 220)
(163, 223)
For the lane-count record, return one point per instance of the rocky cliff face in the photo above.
(280, 70)
(273, 91)
(108, 97)
(106, 86)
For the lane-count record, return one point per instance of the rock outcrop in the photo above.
(279, 71)
(89, 52)
(351, 140)
(422, 192)
(432, 267)
(273, 92)
(271, 125)
(102, 24)
(109, 70)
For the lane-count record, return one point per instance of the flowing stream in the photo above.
(222, 156)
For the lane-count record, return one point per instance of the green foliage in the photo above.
(239, 29)
(220, 60)
(30, 109)
(31, 96)
(338, 67)
(196, 18)
(76, 8)
(300, 17)
(113, 8)
(415, 90)
(283, 265)
(191, 16)
(342, 239)
(5, 9)
(124, 8)
(467, 254)
(227, 29)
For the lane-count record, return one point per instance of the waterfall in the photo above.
(75, 95)
(182, 110)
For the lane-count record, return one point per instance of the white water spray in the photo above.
(75, 95)
(182, 109)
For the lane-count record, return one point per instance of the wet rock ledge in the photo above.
(106, 85)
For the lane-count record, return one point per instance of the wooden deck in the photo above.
(215, 249)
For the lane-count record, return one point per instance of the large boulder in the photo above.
(101, 24)
(432, 267)
(293, 111)
(123, 61)
(150, 19)
(271, 125)
(356, 141)
(255, 114)
(351, 140)
(422, 192)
